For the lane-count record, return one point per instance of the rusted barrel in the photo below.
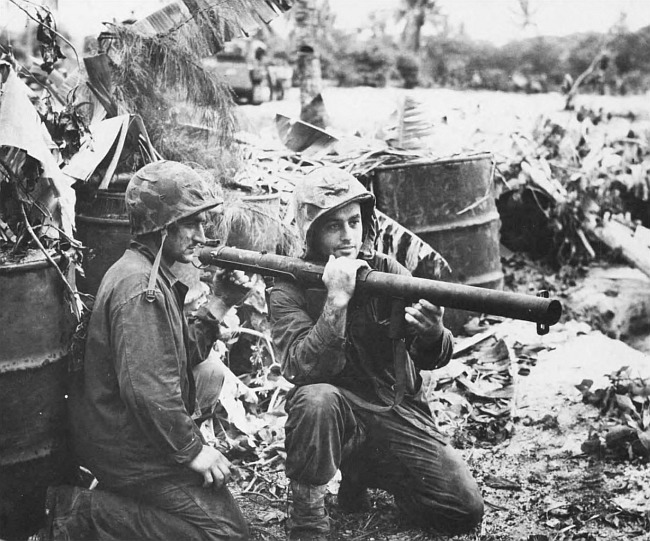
(449, 203)
(102, 226)
(35, 328)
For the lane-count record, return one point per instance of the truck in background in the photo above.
(254, 78)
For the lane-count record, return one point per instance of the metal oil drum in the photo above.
(36, 327)
(449, 203)
(102, 226)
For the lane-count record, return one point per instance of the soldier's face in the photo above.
(341, 233)
(183, 237)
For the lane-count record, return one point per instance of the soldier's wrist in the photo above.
(338, 300)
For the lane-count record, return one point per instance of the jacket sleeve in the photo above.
(203, 332)
(425, 356)
(150, 376)
(436, 355)
(310, 351)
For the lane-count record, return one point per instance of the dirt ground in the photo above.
(538, 484)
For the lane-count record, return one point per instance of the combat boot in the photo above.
(67, 514)
(308, 519)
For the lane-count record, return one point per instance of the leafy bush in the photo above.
(409, 69)
(634, 82)
(362, 64)
(543, 61)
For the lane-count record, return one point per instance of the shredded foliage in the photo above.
(219, 21)
(252, 225)
(201, 151)
(67, 127)
(153, 71)
(590, 162)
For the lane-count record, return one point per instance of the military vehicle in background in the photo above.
(253, 77)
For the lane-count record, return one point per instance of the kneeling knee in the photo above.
(471, 514)
(316, 400)
(450, 519)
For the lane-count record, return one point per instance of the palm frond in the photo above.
(158, 59)
(412, 124)
(213, 21)
(153, 72)
(254, 224)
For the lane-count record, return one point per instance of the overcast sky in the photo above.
(499, 20)
(492, 20)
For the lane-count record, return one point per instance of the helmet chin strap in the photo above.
(151, 286)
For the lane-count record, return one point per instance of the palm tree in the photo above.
(307, 18)
(415, 13)
(525, 15)
(161, 55)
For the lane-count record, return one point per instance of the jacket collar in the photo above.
(164, 270)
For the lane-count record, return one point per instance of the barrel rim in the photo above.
(14, 366)
(111, 194)
(467, 223)
(25, 454)
(461, 158)
(554, 312)
(262, 198)
(242, 195)
(12, 268)
(106, 221)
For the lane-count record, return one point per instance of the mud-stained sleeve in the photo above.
(435, 355)
(310, 351)
(426, 356)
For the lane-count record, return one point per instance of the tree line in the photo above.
(537, 64)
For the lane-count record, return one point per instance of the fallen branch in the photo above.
(272, 500)
(585, 243)
(6, 232)
(568, 105)
(619, 237)
(74, 297)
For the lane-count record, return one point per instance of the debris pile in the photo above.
(578, 186)
(625, 407)
(476, 401)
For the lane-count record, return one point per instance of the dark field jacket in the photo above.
(361, 361)
(131, 407)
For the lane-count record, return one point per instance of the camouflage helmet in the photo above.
(324, 191)
(164, 192)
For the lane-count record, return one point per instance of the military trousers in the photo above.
(429, 479)
(170, 508)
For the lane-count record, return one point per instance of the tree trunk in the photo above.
(619, 237)
(414, 22)
(312, 109)
(573, 91)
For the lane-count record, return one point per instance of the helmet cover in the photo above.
(163, 192)
(324, 191)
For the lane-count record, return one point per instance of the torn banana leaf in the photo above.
(302, 137)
